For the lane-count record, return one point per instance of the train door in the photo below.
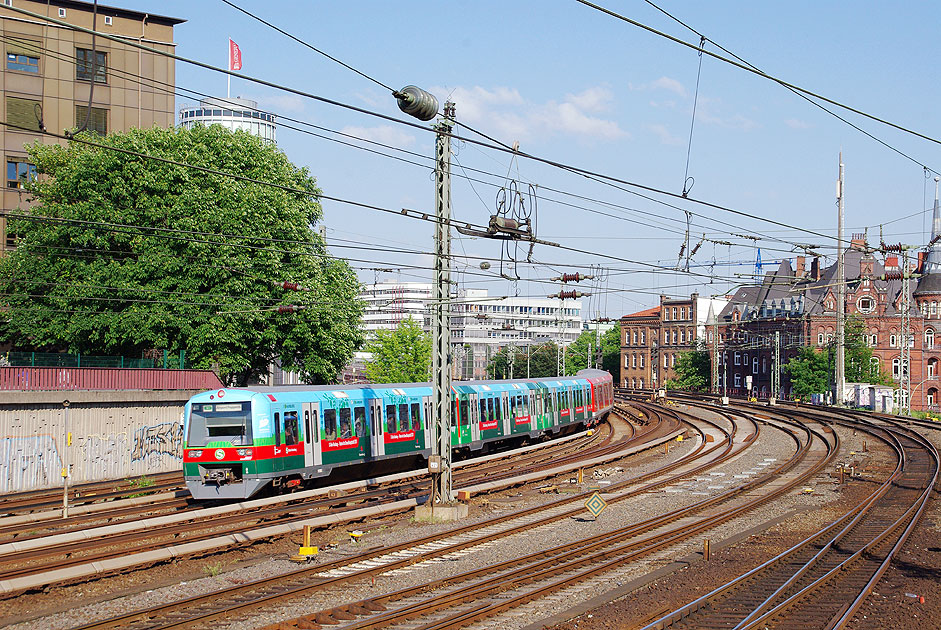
(429, 409)
(475, 416)
(376, 444)
(505, 399)
(313, 456)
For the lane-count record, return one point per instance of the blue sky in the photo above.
(573, 85)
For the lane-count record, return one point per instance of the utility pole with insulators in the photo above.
(422, 105)
(841, 294)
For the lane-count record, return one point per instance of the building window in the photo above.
(633, 382)
(754, 365)
(764, 365)
(866, 304)
(674, 312)
(643, 337)
(819, 339)
(23, 63)
(634, 337)
(896, 372)
(83, 65)
(24, 113)
(18, 173)
(934, 309)
(626, 362)
(673, 337)
(874, 340)
(672, 360)
(666, 361)
(738, 358)
(738, 379)
(97, 122)
(932, 368)
(929, 339)
(641, 383)
(641, 360)
(634, 360)
(682, 336)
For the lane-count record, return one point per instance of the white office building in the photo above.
(231, 113)
(480, 325)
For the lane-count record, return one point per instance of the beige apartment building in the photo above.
(50, 69)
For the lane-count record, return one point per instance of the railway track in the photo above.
(87, 493)
(821, 582)
(37, 559)
(320, 583)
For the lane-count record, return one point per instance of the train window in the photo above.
(226, 421)
(390, 419)
(329, 426)
(416, 416)
(483, 410)
(277, 429)
(403, 416)
(307, 425)
(290, 427)
(490, 415)
(346, 427)
(359, 420)
(464, 410)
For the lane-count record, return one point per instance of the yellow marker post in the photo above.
(307, 551)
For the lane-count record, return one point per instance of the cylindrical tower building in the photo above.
(231, 113)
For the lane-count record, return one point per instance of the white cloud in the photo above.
(663, 83)
(386, 134)
(707, 114)
(665, 136)
(595, 99)
(504, 112)
(794, 123)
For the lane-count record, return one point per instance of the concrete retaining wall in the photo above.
(114, 435)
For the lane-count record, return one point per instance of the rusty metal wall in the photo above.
(65, 378)
(114, 435)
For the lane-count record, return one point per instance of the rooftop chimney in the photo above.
(799, 267)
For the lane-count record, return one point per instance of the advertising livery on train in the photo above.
(241, 440)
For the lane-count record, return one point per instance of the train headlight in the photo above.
(196, 453)
(244, 452)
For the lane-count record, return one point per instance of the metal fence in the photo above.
(24, 378)
(165, 360)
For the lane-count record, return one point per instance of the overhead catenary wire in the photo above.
(753, 70)
(792, 89)
(498, 147)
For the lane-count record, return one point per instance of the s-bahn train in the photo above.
(241, 440)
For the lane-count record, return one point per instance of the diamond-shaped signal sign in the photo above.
(595, 504)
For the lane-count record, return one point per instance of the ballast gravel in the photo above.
(771, 448)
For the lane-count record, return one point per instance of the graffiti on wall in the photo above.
(162, 439)
(29, 462)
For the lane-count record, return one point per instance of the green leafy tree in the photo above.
(540, 360)
(611, 352)
(402, 355)
(582, 352)
(809, 372)
(122, 254)
(858, 364)
(693, 369)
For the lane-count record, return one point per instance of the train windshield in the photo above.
(220, 422)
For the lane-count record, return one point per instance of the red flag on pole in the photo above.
(235, 56)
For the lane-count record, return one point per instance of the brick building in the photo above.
(796, 306)
(652, 339)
